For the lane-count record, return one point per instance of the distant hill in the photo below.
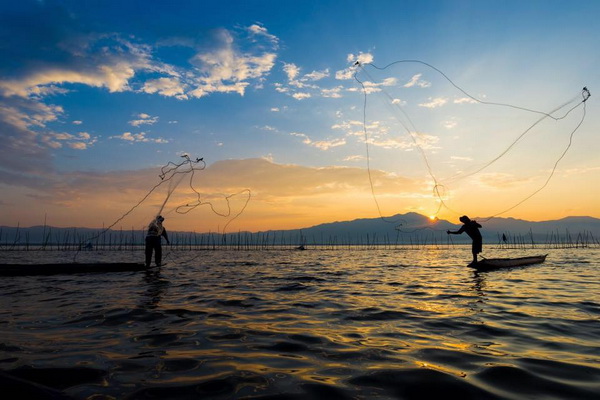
(386, 230)
(398, 228)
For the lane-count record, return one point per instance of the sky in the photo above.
(303, 112)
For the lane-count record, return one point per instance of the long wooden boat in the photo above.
(67, 268)
(496, 263)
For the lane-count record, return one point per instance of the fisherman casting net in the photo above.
(175, 192)
(414, 112)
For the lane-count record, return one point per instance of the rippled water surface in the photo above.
(308, 324)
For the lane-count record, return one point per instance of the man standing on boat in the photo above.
(472, 229)
(155, 231)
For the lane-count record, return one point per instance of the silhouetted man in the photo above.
(155, 231)
(472, 229)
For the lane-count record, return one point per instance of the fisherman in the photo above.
(153, 238)
(472, 229)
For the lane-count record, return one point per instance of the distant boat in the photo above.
(488, 264)
(67, 268)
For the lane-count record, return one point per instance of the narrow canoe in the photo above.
(496, 263)
(67, 268)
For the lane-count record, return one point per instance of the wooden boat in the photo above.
(488, 264)
(67, 268)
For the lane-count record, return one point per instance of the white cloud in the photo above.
(345, 74)
(327, 144)
(317, 75)
(144, 119)
(138, 137)
(259, 30)
(355, 158)
(334, 93)
(363, 58)
(305, 138)
(353, 127)
(291, 70)
(170, 87)
(371, 87)
(77, 122)
(275, 109)
(416, 81)
(464, 100)
(280, 88)
(81, 141)
(434, 103)
(320, 144)
(303, 86)
(348, 73)
(301, 96)
(116, 62)
(226, 69)
(111, 67)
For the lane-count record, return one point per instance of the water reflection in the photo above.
(156, 287)
(479, 284)
(339, 324)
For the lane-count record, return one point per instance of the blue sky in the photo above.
(96, 96)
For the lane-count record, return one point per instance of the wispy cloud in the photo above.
(417, 81)
(138, 137)
(260, 31)
(320, 144)
(80, 141)
(464, 100)
(355, 158)
(301, 87)
(227, 69)
(434, 102)
(327, 144)
(143, 119)
(354, 127)
(334, 93)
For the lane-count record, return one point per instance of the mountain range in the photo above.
(393, 229)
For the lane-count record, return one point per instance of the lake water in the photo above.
(320, 324)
